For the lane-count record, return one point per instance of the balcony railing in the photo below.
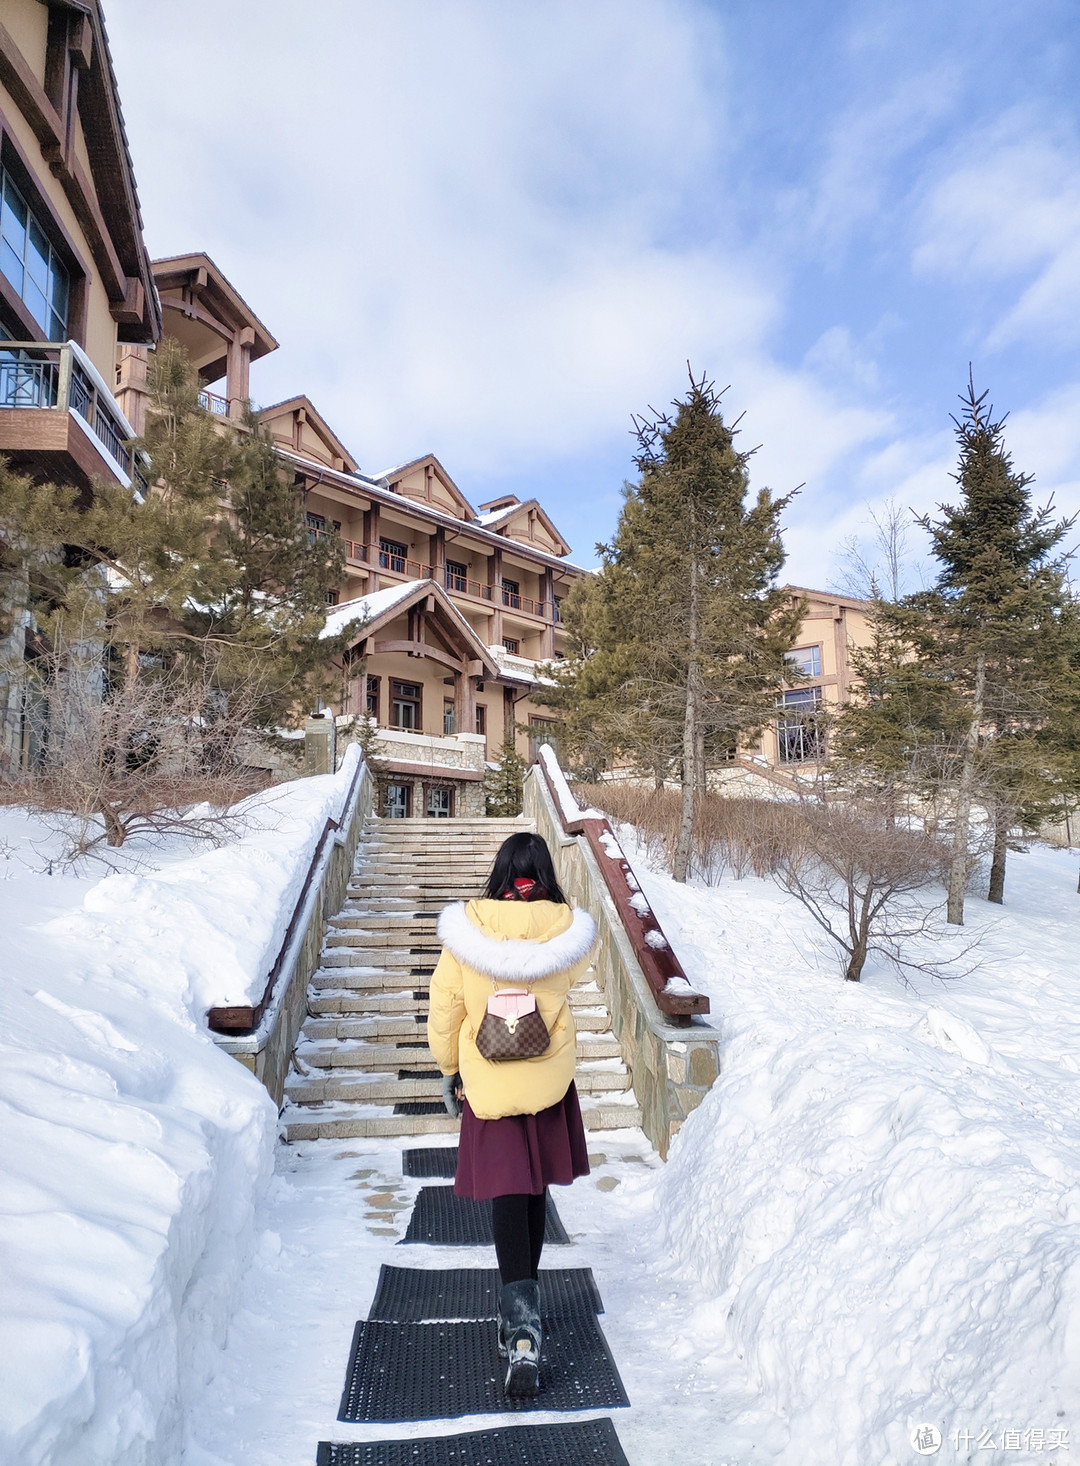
(219, 406)
(61, 378)
(460, 585)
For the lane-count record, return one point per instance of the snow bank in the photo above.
(880, 1195)
(132, 1150)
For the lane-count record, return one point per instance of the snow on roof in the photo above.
(495, 515)
(368, 607)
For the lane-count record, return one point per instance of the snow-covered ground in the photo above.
(880, 1198)
(132, 1150)
(871, 1224)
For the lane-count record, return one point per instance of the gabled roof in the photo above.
(218, 300)
(322, 428)
(829, 595)
(383, 606)
(499, 518)
(393, 476)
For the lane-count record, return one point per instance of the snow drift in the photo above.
(133, 1150)
(880, 1195)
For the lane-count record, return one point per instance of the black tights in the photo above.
(518, 1223)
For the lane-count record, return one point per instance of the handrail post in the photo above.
(63, 383)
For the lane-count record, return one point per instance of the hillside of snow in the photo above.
(880, 1197)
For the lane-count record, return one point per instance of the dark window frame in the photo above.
(401, 697)
(13, 310)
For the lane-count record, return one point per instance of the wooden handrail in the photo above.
(243, 1019)
(651, 947)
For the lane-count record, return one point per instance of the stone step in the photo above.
(336, 1079)
(345, 1122)
(371, 1053)
(405, 922)
(403, 1009)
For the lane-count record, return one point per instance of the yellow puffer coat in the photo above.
(540, 945)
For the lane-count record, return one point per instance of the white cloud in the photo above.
(1008, 210)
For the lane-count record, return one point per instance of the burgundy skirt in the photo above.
(521, 1154)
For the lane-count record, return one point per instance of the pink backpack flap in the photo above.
(512, 1003)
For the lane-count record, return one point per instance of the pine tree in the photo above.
(505, 783)
(689, 625)
(272, 574)
(995, 617)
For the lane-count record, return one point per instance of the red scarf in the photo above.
(525, 890)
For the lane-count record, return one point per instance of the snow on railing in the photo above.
(244, 1018)
(675, 995)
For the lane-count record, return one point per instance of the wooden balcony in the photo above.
(398, 567)
(58, 419)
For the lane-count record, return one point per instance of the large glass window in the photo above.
(511, 593)
(405, 705)
(449, 718)
(440, 803)
(392, 555)
(807, 659)
(541, 731)
(397, 802)
(457, 575)
(29, 262)
(799, 733)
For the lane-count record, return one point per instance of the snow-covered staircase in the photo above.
(362, 1053)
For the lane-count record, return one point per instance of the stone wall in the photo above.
(672, 1069)
(268, 1051)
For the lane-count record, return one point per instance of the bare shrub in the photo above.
(741, 835)
(861, 877)
(158, 753)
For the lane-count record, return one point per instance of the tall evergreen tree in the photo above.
(996, 616)
(688, 628)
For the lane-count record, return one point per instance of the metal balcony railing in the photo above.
(219, 406)
(62, 378)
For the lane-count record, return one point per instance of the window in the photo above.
(392, 555)
(457, 575)
(449, 720)
(373, 698)
(807, 659)
(397, 802)
(799, 733)
(511, 594)
(481, 719)
(440, 804)
(331, 597)
(30, 263)
(316, 525)
(511, 644)
(541, 731)
(558, 609)
(405, 705)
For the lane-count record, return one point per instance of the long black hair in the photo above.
(524, 855)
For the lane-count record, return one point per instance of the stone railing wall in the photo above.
(266, 1049)
(672, 1067)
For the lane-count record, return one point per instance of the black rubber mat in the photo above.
(432, 1160)
(420, 1107)
(439, 1371)
(454, 1221)
(419, 1074)
(416, 1295)
(410, 1043)
(592, 1443)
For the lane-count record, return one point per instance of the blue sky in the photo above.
(496, 229)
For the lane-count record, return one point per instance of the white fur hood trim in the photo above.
(514, 959)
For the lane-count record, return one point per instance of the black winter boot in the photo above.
(519, 1312)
